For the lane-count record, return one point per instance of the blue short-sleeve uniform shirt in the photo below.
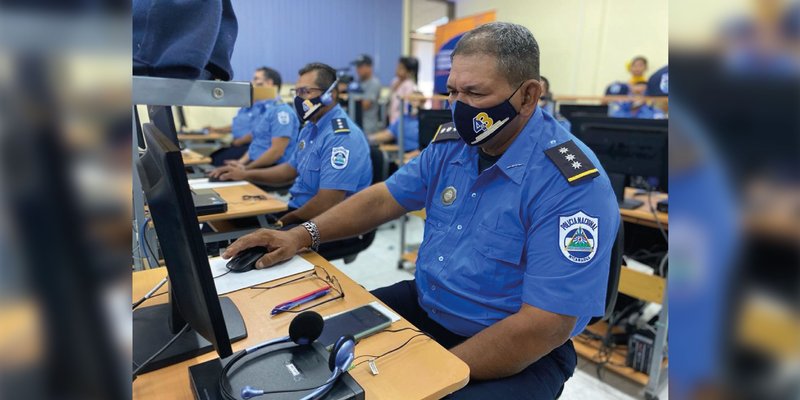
(244, 120)
(277, 120)
(517, 232)
(332, 153)
(410, 132)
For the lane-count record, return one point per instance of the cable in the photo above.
(161, 350)
(142, 239)
(662, 264)
(150, 293)
(390, 351)
(222, 274)
(655, 215)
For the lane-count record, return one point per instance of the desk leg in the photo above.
(403, 220)
(651, 391)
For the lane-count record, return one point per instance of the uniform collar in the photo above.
(330, 115)
(517, 156)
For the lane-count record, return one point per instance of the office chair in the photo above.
(612, 290)
(348, 249)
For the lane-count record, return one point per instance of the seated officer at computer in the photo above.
(274, 135)
(410, 128)
(331, 160)
(520, 223)
(245, 120)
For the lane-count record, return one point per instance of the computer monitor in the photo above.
(429, 122)
(162, 118)
(214, 321)
(627, 146)
(570, 111)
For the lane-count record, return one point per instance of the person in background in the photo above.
(331, 161)
(547, 104)
(546, 101)
(637, 107)
(637, 67)
(404, 83)
(410, 127)
(370, 88)
(243, 123)
(658, 86)
(274, 133)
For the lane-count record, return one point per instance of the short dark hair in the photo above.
(639, 58)
(513, 47)
(272, 75)
(326, 75)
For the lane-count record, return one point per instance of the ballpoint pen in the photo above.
(288, 305)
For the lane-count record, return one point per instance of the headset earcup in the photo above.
(337, 348)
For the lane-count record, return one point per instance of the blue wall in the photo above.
(287, 34)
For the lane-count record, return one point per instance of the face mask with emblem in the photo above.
(306, 108)
(478, 125)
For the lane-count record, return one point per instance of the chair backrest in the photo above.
(380, 168)
(613, 274)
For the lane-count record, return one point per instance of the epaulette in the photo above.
(446, 132)
(340, 125)
(572, 162)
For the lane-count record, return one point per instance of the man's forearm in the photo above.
(322, 201)
(512, 344)
(244, 140)
(360, 213)
(276, 175)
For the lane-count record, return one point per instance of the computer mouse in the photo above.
(246, 260)
(214, 179)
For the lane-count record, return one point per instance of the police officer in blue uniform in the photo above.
(521, 219)
(330, 161)
(245, 121)
(274, 132)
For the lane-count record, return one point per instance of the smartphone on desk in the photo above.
(359, 322)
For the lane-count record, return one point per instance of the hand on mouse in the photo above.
(283, 245)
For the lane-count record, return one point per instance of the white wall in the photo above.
(585, 44)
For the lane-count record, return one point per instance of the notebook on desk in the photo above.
(207, 201)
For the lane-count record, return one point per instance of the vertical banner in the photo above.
(447, 36)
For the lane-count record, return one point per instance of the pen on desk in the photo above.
(288, 305)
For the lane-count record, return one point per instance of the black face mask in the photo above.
(478, 125)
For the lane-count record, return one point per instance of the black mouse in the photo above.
(246, 259)
(214, 179)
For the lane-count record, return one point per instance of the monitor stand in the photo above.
(151, 332)
(630, 204)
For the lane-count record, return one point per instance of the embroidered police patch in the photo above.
(339, 157)
(577, 237)
(572, 162)
(283, 117)
(445, 132)
(340, 125)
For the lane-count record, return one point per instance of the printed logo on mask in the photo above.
(307, 105)
(481, 122)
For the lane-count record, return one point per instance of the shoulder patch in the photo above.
(340, 125)
(446, 132)
(572, 162)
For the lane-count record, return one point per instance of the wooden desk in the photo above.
(191, 157)
(421, 370)
(196, 137)
(221, 223)
(643, 215)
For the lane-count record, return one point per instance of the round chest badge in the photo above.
(449, 195)
(577, 237)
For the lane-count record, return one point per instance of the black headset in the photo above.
(304, 329)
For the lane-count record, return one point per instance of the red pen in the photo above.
(301, 297)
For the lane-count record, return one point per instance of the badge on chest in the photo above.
(449, 195)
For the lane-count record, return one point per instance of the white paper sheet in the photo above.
(234, 281)
(203, 183)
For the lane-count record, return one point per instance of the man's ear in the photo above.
(531, 92)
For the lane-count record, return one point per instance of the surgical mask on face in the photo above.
(478, 125)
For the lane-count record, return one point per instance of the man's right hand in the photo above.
(282, 245)
(235, 164)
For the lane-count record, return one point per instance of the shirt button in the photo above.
(473, 194)
(459, 227)
(433, 288)
(438, 224)
(433, 311)
(441, 258)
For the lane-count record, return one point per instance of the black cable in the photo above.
(222, 274)
(390, 351)
(161, 350)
